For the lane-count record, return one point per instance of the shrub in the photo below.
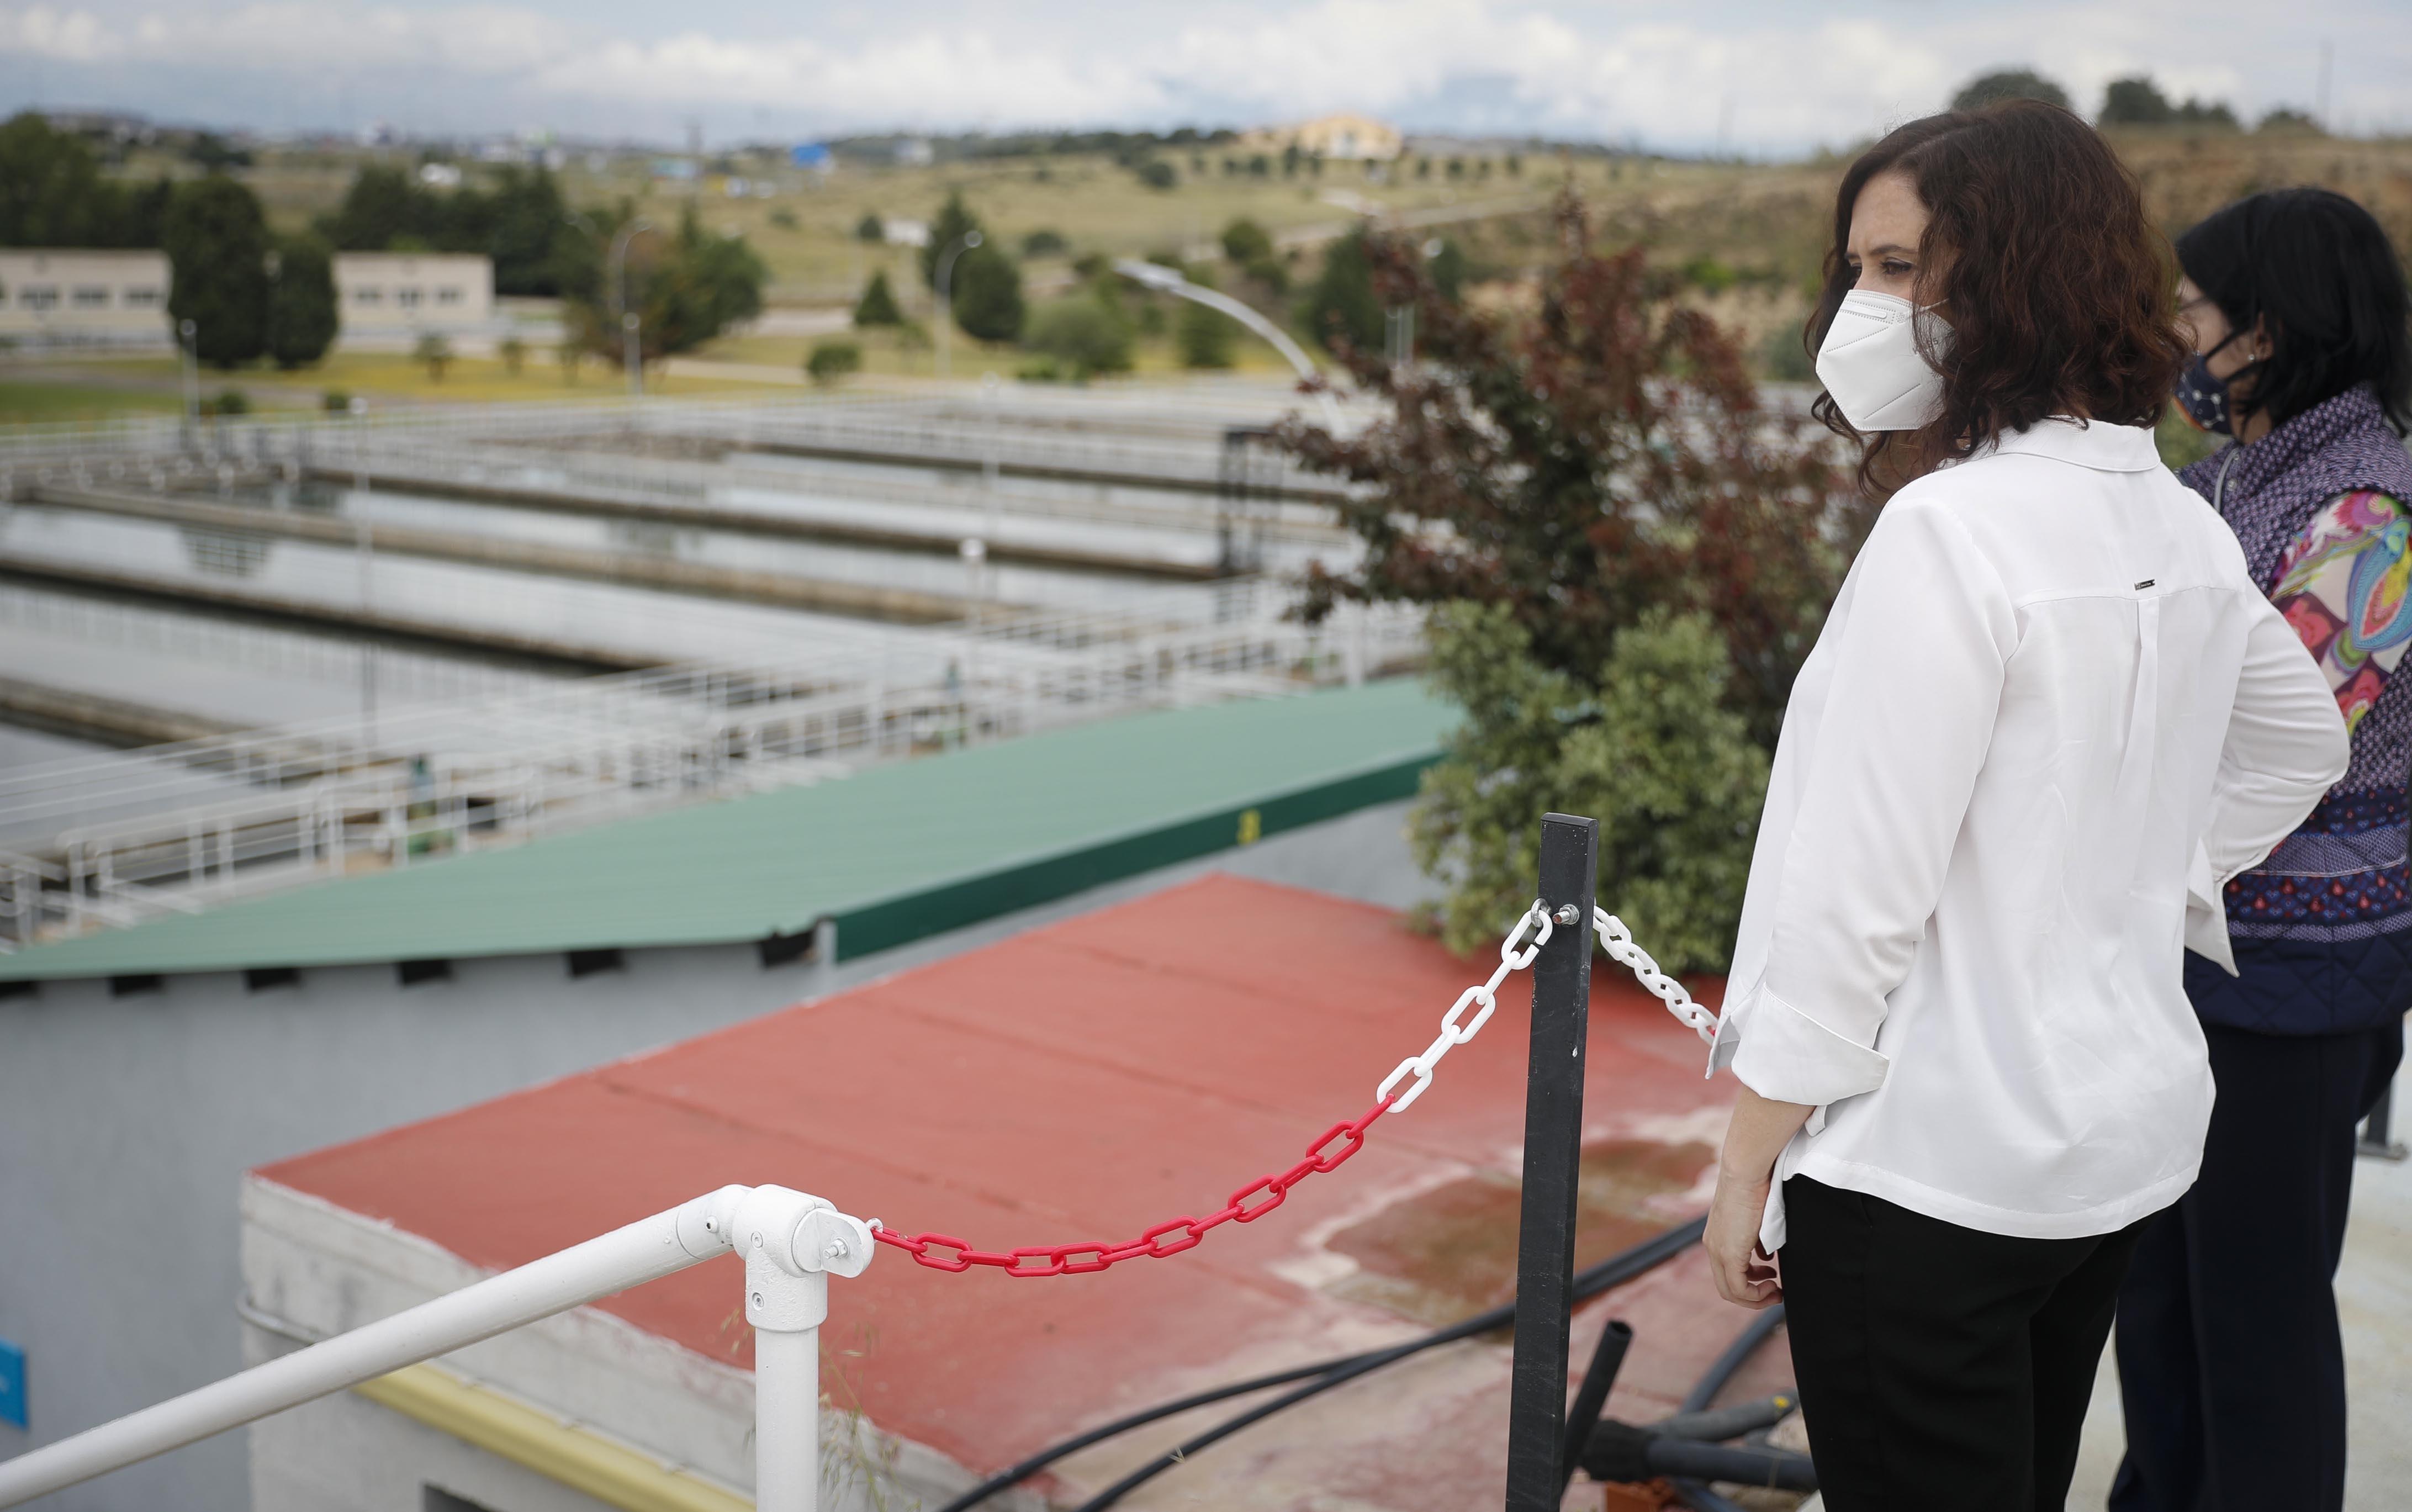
(869, 228)
(227, 402)
(1045, 243)
(1245, 242)
(784, 218)
(987, 288)
(513, 352)
(435, 353)
(1645, 744)
(1157, 174)
(831, 360)
(336, 401)
(1083, 336)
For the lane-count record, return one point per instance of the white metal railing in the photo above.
(287, 653)
(792, 1243)
(111, 840)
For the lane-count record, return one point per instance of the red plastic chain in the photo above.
(1246, 1205)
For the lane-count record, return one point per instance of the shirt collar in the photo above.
(2108, 448)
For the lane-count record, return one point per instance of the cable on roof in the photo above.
(1319, 1377)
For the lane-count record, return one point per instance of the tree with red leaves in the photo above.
(1628, 556)
(1605, 456)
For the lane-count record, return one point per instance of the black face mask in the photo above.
(2204, 397)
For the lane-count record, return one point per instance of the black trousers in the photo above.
(2229, 1363)
(1940, 1366)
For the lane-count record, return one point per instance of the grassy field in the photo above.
(31, 401)
(1746, 239)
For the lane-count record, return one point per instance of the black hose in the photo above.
(1716, 1425)
(1614, 1272)
(1622, 1452)
(1745, 1345)
(1599, 1379)
(1694, 1495)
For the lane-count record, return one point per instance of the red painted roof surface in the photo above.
(1085, 1081)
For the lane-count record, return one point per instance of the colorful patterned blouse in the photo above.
(2343, 583)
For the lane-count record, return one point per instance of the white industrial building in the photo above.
(83, 297)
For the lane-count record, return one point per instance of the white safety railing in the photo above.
(112, 841)
(792, 1243)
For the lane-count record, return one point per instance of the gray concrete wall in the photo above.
(126, 1122)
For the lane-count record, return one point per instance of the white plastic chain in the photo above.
(1613, 937)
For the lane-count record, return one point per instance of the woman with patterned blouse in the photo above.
(2230, 1360)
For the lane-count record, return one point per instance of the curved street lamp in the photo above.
(1157, 276)
(954, 249)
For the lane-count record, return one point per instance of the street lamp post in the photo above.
(1168, 281)
(189, 336)
(954, 250)
(632, 349)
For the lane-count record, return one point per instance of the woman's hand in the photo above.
(1744, 1274)
(1761, 1127)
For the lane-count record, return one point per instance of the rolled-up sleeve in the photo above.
(1924, 639)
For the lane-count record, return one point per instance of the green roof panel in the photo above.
(891, 854)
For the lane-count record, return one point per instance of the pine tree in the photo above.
(217, 244)
(954, 220)
(878, 307)
(302, 317)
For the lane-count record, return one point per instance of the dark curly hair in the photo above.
(2319, 270)
(2058, 290)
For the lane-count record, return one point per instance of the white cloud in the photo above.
(1783, 76)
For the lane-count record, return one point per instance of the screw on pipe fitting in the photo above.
(1567, 914)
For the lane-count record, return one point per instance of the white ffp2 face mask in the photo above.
(1870, 362)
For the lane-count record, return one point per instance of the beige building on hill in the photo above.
(73, 296)
(411, 294)
(1350, 139)
(79, 297)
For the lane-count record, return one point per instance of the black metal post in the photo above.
(1545, 1244)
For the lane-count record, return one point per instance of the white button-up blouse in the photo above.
(2050, 715)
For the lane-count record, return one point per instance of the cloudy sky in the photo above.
(1764, 76)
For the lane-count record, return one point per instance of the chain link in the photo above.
(944, 1252)
(1617, 941)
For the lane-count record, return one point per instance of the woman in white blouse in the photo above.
(2049, 716)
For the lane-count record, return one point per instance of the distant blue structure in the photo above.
(810, 154)
(12, 1384)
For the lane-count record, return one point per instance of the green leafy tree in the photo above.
(1645, 744)
(513, 352)
(2287, 121)
(1341, 305)
(686, 289)
(217, 245)
(869, 228)
(383, 203)
(878, 307)
(987, 288)
(302, 315)
(1083, 337)
(1245, 242)
(1158, 174)
(526, 223)
(53, 194)
(1044, 242)
(2009, 85)
(2135, 102)
(954, 220)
